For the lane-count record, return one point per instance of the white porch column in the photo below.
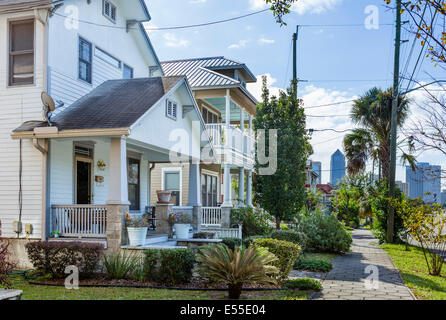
(249, 189)
(117, 203)
(250, 125)
(241, 187)
(227, 169)
(194, 199)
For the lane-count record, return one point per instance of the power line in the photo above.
(340, 25)
(167, 28)
(328, 115)
(330, 104)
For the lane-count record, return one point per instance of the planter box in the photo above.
(137, 236)
(182, 230)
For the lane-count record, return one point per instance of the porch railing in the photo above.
(221, 233)
(85, 221)
(211, 216)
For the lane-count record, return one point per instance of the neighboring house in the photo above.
(311, 176)
(327, 193)
(83, 173)
(227, 107)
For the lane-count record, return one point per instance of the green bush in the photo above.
(286, 252)
(151, 259)
(325, 234)
(176, 266)
(249, 240)
(120, 265)
(253, 221)
(315, 265)
(53, 257)
(290, 236)
(303, 284)
(231, 243)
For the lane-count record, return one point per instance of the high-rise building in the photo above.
(443, 197)
(337, 167)
(317, 167)
(403, 186)
(424, 182)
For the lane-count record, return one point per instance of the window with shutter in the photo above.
(21, 52)
(109, 10)
(171, 109)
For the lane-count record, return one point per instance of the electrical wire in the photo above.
(329, 104)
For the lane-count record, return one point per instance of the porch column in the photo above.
(242, 128)
(249, 189)
(241, 187)
(250, 125)
(227, 202)
(117, 203)
(194, 199)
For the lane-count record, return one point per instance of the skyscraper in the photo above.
(337, 167)
(425, 182)
(317, 167)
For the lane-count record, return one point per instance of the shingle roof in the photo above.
(24, 2)
(114, 104)
(200, 72)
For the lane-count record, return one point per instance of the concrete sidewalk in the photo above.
(350, 278)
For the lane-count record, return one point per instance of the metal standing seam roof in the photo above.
(199, 71)
(113, 104)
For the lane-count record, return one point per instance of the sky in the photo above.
(335, 63)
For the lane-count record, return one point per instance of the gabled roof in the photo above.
(201, 71)
(325, 188)
(114, 104)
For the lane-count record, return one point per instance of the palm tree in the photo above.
(372, 113)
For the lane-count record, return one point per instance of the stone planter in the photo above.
(137, 236)
(182, 230)
(164, 196)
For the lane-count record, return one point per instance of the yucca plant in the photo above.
(119, 265)
(236, 267)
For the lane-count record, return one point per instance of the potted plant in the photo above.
(164, 196)
(55, 234)
(182, 225)
(137, 228)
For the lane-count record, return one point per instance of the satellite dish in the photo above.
(48, 102)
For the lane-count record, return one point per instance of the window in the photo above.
(85, 60)
(21, 52)
(172, 183)
(133, 178)
(128, 72)
(109, 10)
(171, 109)
(208, 190)
(209, 117)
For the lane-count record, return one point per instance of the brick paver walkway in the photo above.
(350, 277)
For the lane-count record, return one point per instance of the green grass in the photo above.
(33, 292)
(320, 256)
(414, 271)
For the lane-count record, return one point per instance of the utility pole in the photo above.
(295, 36)
(393, 135)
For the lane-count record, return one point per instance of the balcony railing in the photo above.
(241, 145)
(80, 221)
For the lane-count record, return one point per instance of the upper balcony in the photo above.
(232, 145)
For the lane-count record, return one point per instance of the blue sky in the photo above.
(354, 57)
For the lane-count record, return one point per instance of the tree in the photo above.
(280, 8)
(372, 113)
(282, 194)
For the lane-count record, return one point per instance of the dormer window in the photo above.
(171, 109)
(109, 10)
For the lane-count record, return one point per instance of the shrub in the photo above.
(286, 252)
(303, 284)
(253, 221)
(119, 265)
(290, 236)
(176, 266)
(53, 257)
(204, 235)
(231, 243)
(6, 265)
(249, 240)
(151, 259)
(325, 234)
(315, 265)
(235, 267)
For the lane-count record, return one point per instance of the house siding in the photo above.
(19, 104)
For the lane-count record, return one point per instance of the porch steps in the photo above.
(156, 238)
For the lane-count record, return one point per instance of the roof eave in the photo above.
(72, 133)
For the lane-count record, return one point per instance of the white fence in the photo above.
(221, 233)
(80, 220)
(211, 216)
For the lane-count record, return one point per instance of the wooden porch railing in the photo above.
(87, 221)
(211, 216)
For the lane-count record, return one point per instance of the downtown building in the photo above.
(424, 182)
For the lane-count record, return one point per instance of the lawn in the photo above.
(413, 269)
(33, 292)
(321, 256)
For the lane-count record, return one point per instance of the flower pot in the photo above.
(182, 230)
(137, 236)
(164, 196)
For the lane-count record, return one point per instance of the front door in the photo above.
(83, 180)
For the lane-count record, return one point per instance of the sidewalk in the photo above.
(346, 281)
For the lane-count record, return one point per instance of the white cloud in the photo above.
(197, 1)
(173, 41)
(240, 44)
(263, 40)
(302, 6)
